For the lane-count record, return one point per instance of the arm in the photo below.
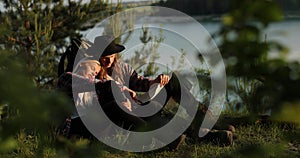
(69, 82)
(111, 91)
(132, 94)
(140, 83)
(131, 79)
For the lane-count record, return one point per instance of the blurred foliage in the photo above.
(289, 112)
(24, 106)
(260, 81)
(39, 31)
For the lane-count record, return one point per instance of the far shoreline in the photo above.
(201, 18)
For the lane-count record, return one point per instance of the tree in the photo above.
(207, 7)
(148, 53)
(261, 81)
(39, 31)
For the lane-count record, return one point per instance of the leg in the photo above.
(179, 89)
(122, 118)
(109, 95)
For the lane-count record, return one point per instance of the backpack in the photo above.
(77, 47)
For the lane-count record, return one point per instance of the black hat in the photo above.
(105, 45)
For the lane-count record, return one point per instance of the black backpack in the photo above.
(77, 47)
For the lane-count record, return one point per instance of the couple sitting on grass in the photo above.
(114, 86)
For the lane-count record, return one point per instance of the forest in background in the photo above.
(217, 7)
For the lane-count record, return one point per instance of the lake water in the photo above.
(183, 37)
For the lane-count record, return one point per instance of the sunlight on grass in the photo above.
(290, 113)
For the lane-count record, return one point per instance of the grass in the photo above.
(253, 140)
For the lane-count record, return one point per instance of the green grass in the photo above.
(253, 140)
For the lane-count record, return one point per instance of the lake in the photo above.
(179, 37)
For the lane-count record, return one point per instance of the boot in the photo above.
(219, 137)
(174, 146)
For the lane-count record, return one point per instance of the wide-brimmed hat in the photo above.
(104, 45)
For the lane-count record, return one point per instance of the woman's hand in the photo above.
(127, 104)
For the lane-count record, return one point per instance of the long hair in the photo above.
(102, 75)
(87, 97)
(85, 60)
(116, 71)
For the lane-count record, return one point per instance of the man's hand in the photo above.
(162, 79)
